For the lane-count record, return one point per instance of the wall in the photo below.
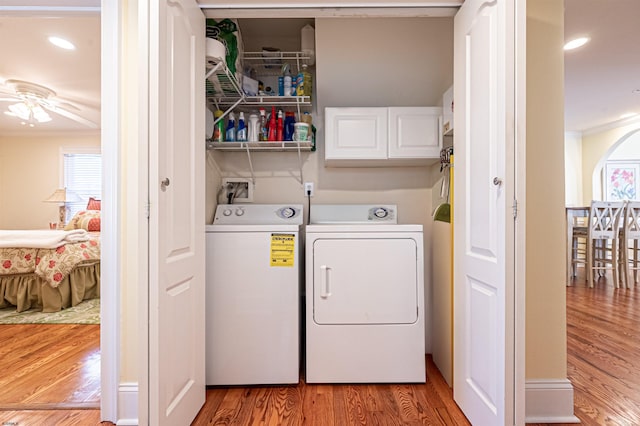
(359, 62)
(573, 168)
(546, 340)
(30, 170)
(598, 144)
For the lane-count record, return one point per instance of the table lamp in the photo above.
(63, 196)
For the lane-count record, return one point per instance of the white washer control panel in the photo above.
(258, 214)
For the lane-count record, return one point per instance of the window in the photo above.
(82, 175)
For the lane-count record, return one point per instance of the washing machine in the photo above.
(253, 287)
(364, 289)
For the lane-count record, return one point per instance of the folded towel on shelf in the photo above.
(40, 238)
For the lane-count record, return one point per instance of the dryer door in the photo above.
(365, 281)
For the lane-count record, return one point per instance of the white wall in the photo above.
(573, 168)
(596, 146)
(30, 170)
(628, 149)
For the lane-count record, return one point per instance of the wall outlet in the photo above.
(241, 188)
(308, 189)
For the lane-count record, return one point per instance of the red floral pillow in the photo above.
(93, 204)
(88, 220)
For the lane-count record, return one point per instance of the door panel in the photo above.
(365, 281)
(176, 245)
(483, 358)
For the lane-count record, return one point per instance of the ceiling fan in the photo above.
(33, 102)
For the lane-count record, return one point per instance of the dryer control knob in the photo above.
(226, 212)
(381, 212)
(239, 212)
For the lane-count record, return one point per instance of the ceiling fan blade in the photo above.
(56, 103)
(71, 116)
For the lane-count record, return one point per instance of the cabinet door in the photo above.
(414, 132)
(355, 133)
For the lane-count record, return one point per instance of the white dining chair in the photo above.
(602, 240)
(579, 232)
(630, 242)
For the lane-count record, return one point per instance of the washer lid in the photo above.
(354, 214)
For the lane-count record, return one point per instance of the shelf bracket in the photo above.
(300, 165)
(253, 177)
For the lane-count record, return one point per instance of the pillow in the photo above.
(88, 220)
(93, 204)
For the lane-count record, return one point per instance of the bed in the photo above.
(43, 277)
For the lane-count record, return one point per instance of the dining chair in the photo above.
(578, 245)
(602, 240)
(630, 241)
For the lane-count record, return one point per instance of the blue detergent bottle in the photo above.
(231, 128)
(241, 134)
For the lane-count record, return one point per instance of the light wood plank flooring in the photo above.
(603, 328)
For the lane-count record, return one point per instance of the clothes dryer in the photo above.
(364, 296)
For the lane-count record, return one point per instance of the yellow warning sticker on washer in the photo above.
(282, 249)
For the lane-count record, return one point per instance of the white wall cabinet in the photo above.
(382, 136)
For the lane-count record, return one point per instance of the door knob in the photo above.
(497, 181)
(165, 183)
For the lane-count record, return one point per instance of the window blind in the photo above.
(82, 175)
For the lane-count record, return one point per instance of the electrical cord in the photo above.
(308, 207)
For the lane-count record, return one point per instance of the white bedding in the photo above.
(41, 238)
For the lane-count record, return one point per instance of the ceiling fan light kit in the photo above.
(33, 102)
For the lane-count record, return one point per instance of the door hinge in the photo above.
(147, 209)
(515, 208)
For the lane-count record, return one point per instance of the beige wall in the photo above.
(546, 338)
(596, 146)
(30, 170)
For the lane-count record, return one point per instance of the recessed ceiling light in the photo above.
(628, 114)
(576, 42)
(62, 43)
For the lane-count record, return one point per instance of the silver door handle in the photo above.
(165, 183)
(497, 181)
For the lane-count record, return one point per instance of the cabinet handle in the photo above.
(497, 181)
(164, 183)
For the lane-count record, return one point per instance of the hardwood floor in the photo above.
(46, 367)
(603, 352)
(324, 405)
(603, 340)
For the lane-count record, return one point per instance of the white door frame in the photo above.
(110, 259)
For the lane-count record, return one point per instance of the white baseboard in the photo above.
(128, 404)
(549, 401)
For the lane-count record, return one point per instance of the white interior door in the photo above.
(484, 116)
(176, 192)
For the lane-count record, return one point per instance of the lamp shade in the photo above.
(63, 196)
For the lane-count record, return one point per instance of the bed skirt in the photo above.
(28, 291)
